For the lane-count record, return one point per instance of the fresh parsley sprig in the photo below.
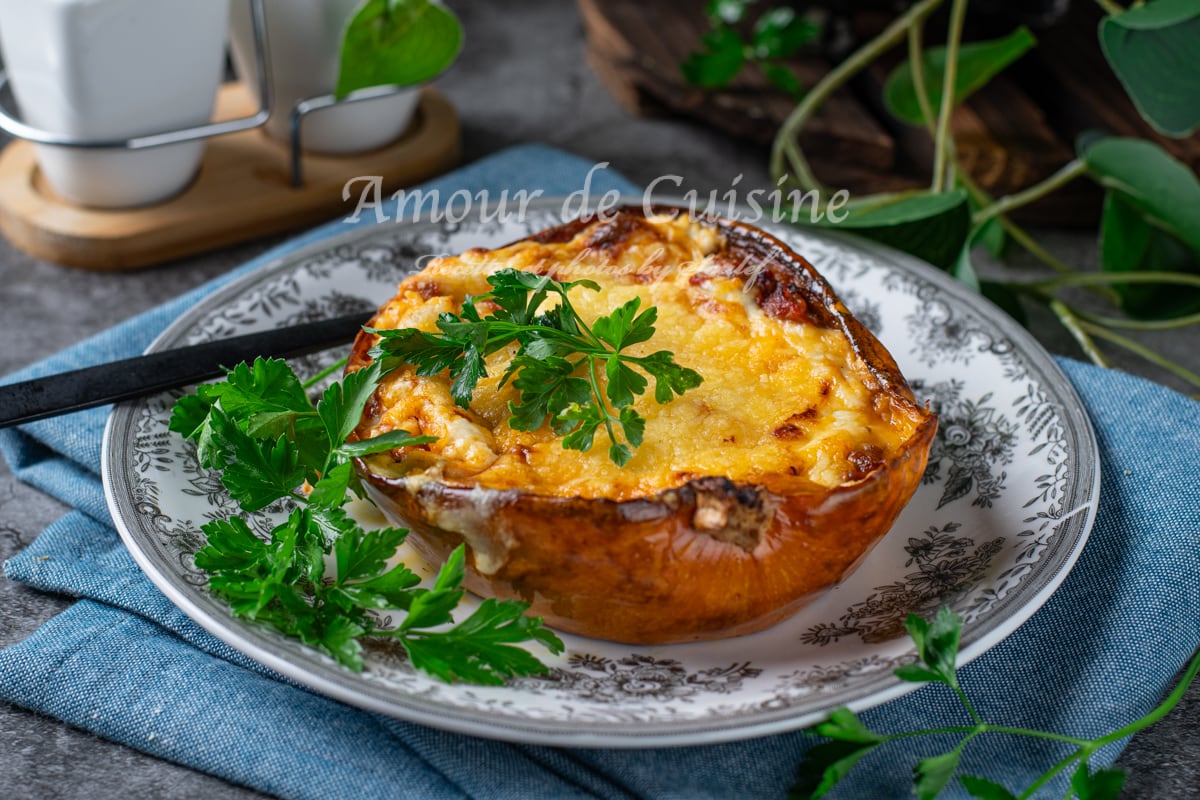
(261, 431)
(558, 363)
(824, 765)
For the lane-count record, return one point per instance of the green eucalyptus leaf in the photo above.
(1152, 49)
(402, 42)
(930, 226)
(964, 270)
(1152, 180)
(990, 233)
(999, 293)
(915, 673)
(993, 237)
(1149, 222)
(978, 63)
(1130, 243)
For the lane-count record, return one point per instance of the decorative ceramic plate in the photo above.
(1005, 506)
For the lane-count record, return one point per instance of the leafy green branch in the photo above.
(1149, 224)
(270, 444)
(826, 764)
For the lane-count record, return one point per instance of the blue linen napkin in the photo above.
(124, 663)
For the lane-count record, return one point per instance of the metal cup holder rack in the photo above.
(10, 123)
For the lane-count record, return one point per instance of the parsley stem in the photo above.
(1049, 774)
(325, 373)
(966, 702)
(608, 418)
(985, 727)
(1054, 737)
(596, 341)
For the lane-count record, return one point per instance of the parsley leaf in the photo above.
(556, 368)
(937, 645)
(257, 472)
(318, 576)
(341, 406)
(493, 630)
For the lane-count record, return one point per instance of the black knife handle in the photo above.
(167, 369)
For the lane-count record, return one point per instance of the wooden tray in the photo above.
(242, 191)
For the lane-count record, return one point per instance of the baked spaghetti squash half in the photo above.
(750, 495)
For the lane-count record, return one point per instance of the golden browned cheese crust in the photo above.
(782, 402)
(770, 480)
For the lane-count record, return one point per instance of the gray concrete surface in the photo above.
(521, 78)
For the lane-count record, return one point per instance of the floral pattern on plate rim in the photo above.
(996, 523)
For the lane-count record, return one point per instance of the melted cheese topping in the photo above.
(782, 404)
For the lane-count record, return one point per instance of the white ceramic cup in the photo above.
(106, 69)
(305, 38)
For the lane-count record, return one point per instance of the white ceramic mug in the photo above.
(305, 38)
(110, 69)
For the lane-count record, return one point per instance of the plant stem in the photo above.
(1139, 324)
(1021, 237)
(1048, 775)
(1075, 328)
(785, 145)
(1031, 245)
(1069, 172)
(933, 732)
(1110, 7)
(1109, 278)
(1055, 737)
(1015, 231)
(1143, 351)
(599, 395)
(958, 13)
(984, 727)
(962, 696)
(916, 63)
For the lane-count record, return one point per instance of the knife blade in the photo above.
(128, 378)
